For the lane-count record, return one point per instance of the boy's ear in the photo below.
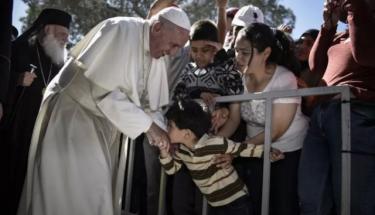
(189, 134)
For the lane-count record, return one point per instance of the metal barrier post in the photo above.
(163, 185)
(266, 158)
(346, 157)
(204, 206)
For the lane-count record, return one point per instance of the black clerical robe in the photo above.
(22, 106)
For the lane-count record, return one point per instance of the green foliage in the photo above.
(87, 13)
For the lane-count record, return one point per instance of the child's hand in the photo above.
(164, 149)
(209, 98)
(219, 118)
(276, 155)
(223, 160)
(163, 146)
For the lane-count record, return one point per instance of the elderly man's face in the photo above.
(54, 42)
(59, 32)
(166, 39)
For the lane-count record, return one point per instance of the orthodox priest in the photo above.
(5, 38)
(115, 81)
(37, 56)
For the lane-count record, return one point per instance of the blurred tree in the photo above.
(87, 13)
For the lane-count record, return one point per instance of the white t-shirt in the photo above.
(253, 112)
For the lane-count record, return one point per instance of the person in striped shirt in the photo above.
(188, 125)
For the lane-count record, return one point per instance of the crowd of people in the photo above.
(66, 113)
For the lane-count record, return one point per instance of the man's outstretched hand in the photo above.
(157, 136)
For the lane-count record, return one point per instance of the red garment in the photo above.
(348, 58)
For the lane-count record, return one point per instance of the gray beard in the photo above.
(53, 49)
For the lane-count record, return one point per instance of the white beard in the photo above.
(53, 49)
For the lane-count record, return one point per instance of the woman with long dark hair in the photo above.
(268, 64)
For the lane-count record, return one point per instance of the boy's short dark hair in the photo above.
(188, 114)
(204, 30)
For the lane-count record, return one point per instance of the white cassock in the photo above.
(110, 85)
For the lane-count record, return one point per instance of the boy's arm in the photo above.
(169, 163)
(251, 150)
(242, 149)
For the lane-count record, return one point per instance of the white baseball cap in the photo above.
(248, 15)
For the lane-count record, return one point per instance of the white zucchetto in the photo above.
(177, 16)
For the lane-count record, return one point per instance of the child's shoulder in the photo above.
(213, 139)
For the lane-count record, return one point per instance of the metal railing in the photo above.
(344, 93)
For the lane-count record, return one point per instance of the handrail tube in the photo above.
(162, 189)
(283, 94)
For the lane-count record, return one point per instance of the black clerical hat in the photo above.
(53, 16)
(47, 17)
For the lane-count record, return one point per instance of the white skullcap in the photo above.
(248, 15)
(177, 16)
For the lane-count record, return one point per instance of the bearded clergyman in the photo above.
(37, 56)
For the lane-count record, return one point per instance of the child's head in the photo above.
(204, 42)
(187, 121)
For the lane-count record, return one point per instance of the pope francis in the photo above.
(114, 82)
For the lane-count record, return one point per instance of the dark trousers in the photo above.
(241, 206)
(283, 184)
(153, 172)
(320, 167)
(186, 197)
